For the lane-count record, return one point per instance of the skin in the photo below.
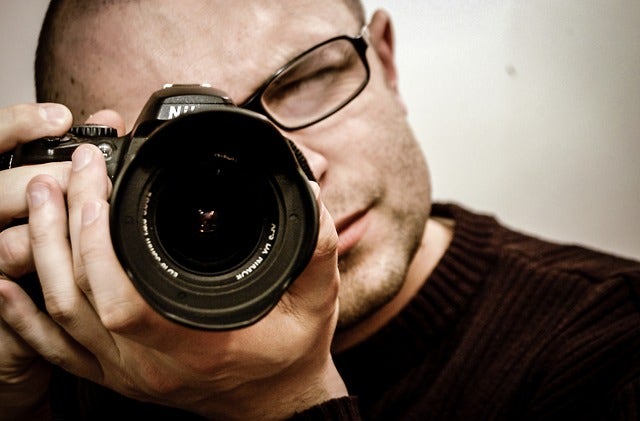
(375, 249)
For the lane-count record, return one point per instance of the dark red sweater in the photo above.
(506, 327)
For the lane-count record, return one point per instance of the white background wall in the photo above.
(528, 109)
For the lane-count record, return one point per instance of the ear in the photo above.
(381, 38)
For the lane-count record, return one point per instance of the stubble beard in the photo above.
(373, 272)
(372, 275)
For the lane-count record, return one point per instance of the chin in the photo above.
(374, 271)
(368, 283)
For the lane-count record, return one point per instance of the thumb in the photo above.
(317, 286)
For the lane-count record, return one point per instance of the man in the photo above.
(449, 317)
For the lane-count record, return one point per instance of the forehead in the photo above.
(122, 53)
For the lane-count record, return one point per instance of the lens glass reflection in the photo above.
(210, 217)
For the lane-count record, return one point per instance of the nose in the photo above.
(317, 162)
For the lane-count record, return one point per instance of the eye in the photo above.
(316, 83)
(302, 85)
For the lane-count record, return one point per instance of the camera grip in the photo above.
(56, 149)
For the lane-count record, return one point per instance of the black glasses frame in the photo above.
(360, 43)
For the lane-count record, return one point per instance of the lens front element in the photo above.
(210, 219)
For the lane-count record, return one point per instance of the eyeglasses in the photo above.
(315, 84)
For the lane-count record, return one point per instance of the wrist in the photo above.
(328, 386)
(279, 398)
(345, 408)
(307, 391)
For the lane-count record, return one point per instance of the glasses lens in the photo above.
(316, 85)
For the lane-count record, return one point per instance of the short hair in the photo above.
(45, 60)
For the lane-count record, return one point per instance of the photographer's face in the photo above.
(372, 175)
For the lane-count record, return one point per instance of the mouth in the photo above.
(351, 229)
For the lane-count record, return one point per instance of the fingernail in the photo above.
(55, 113)
(81, 157)
(38, 194)
(90, 212)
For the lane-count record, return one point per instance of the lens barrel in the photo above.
(213, 218)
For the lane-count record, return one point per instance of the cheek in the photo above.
(385, 136)
(395, 152)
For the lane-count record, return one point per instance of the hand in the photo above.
(101, 328)
(24, 376)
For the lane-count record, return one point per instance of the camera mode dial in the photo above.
(97, 131)
(93, 130)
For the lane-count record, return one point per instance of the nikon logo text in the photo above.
(178, 110)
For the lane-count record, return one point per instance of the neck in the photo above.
(435, 240)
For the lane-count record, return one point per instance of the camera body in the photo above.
(212, 216)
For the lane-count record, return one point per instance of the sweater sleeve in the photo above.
(345, 408)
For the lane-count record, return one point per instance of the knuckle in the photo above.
(82, 281)
(15, 250)
(157, 381)
(81, 188)
(120, 317)
(90, 252)
(62, 310)
(22, 325)
(60, 171)
(39, 237)
(58, 359)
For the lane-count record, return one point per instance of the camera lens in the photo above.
(210, 218)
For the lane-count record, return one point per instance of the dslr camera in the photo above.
(212, 215)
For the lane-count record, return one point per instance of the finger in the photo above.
(13, 184)
(43, 335)
(12, 344)
(88, 182)
(108, 118)
(120, 306)
(327, 245)
(317, 286)
(52, 255)
(50, 244)
(16, 259)
(25, 122)
(98, 272)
